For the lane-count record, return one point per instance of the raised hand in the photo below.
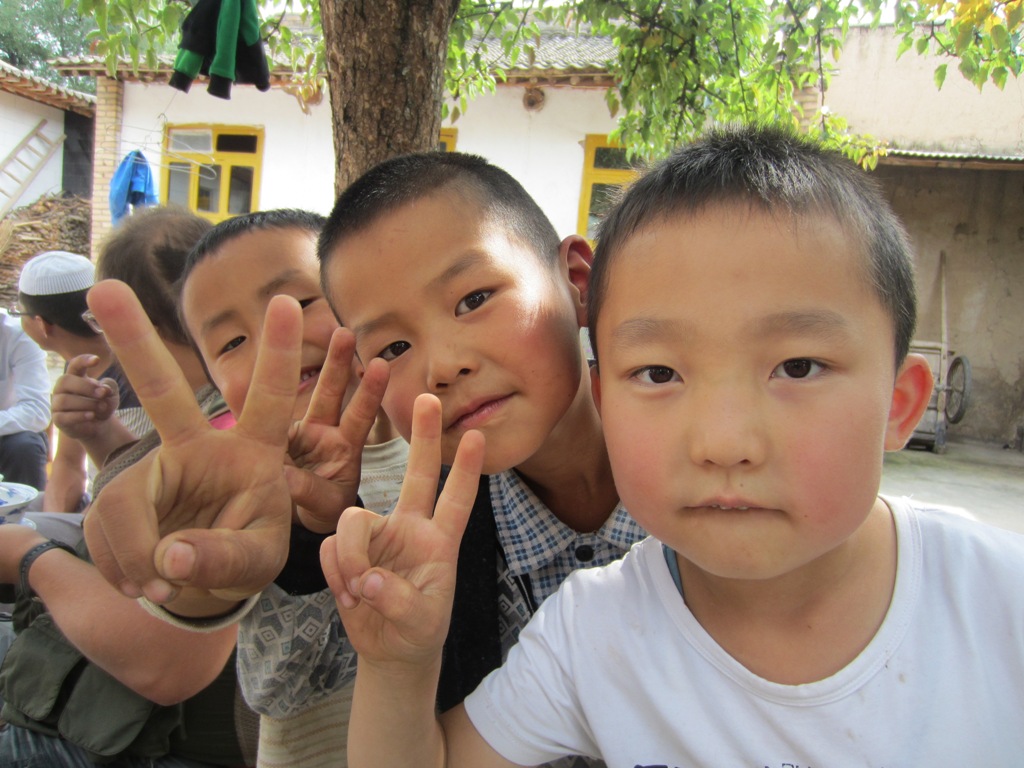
(393, 576)
(209, 509)
(82, 405)
(326, 446)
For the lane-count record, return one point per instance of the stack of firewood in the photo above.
(52, 223)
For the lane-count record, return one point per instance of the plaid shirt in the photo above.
(539, 545)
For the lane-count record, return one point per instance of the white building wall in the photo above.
(543, 149)
(19, 116)
(896, 100)
(298, 167)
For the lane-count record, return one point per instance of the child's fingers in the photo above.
(321, 497)
(419, 488)
(455, 503)
(80, 365)
(345, 557)
(362, 409)
(329, 394)
(267, 412)
(155, 376)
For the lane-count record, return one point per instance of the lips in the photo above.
(308, 377)
(728, 504)
(477, 412)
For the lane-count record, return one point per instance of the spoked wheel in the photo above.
(958, 389)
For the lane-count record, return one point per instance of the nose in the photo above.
(725, 427)
(447, 363)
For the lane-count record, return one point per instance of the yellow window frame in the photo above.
(226, 160)
(593, 176)
(448, 138)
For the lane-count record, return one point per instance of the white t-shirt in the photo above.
(614, 665)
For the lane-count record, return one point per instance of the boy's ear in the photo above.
(576, 258)
(595, 387)
(910, 397)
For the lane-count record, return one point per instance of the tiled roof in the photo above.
(558, 54)
(19, 83)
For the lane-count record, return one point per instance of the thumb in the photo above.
(232, 564)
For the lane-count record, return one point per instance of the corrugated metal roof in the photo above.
(939, 158)
(19, 83)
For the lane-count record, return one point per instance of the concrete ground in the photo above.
(984, 479)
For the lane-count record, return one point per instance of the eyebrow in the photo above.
(458, 267)
(821, 323)
(266, 291)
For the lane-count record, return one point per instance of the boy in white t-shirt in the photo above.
(752, 305)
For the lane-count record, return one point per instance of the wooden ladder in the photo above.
(24, 163)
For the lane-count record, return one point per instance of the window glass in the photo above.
(233, 142)
(188, 140)
(208, 195)
(178, 181)
(240, 190)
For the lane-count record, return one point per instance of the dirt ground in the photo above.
(986, 480)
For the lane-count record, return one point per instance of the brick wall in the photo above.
(106, 154)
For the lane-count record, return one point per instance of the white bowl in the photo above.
(13, 497)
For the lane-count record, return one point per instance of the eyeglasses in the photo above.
(16, 311)
(91, 321)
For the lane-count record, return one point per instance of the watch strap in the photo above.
(32, 555)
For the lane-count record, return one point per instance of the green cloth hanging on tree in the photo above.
(221, 38)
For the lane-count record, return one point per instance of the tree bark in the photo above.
(385, 72)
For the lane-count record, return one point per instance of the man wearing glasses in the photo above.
(93, 405)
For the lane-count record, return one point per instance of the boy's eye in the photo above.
(797, 368)
(306, 302)
(471, 302)
(393, 350)
(656, 374)
(232, 344)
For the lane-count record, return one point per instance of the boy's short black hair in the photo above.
(61, 309)
(404, 179)
(776, 171)
(228, 230)
(148, 251)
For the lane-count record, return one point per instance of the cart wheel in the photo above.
(958, 389)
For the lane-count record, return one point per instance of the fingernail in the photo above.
(346, 600)
(178, 561)
(372, 586)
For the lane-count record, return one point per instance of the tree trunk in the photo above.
(385, 71)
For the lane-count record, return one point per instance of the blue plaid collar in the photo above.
(530, 534)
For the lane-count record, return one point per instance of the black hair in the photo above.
(148, 251)
(228, 230)
(61, 309)
(404, 179)
(774, 170)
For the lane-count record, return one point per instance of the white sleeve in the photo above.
(30, 384)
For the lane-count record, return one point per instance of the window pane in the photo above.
(208, 196)
(611, 158)
(240, 190)
(602, 198)
(177, 188)
(234, 142)
(191, 140)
